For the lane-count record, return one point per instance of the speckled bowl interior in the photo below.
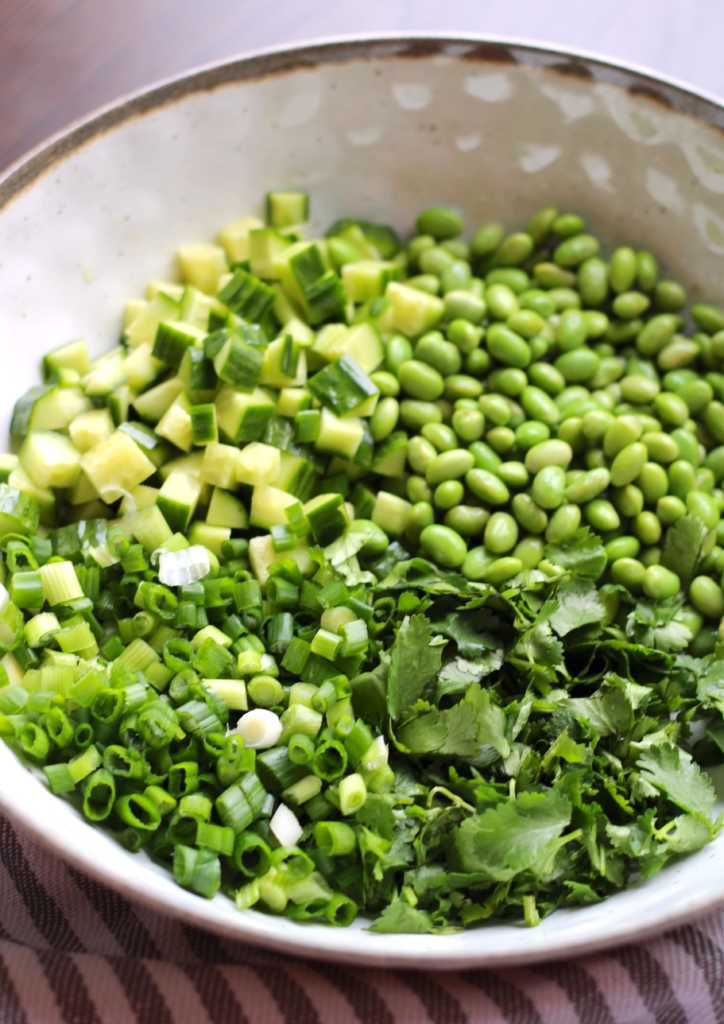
(377, 128)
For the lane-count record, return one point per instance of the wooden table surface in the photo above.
(59, 59)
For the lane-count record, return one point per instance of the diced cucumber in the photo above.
(290, 401)
(46, 407)
(90, 428)
(234, 237)
(412, 311)
(119, 403)
(339, 436)
(268, 505)
(106, 374)
(197, 307)
(50, 459)
(142, 330)
(391, 513)
(142, 367)
(297, 475)
(342, 386)
(202, 264)
(43, 498)
(175, 424)
(171, 289)
(225, 509)
(361, 342)
(266, 245)
(204, 428)
(199, 376)
(139, 498)
(239, 363)
(390, 456)
(73, 356)
(366, 279)
(152, 446)
(178, 499)
(172, 339)
(285, 209)
(116, 466)
(258, 463)
(8, 462)
(149, 527)
(262, 556)
(191, 464)
(219, 465)
(285, 363)
(325, 517)
(243, 417)
(82, 491)
(132, 309)
(212, 537)
(154, 403)
(19, 512)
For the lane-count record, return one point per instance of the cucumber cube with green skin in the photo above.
(367, 279)
(390, 455)
(178, 498)
(106, 374)
(243, 417)
(8, 463)
(235, 238)
(142, 328)
(219, 465)
(297, 475)
(198, 375)
(325, 517)
(265, 246)
(153, 446)
(175, 424)
(268, 505)
(204, 429)
(391, 514)
(325, 299)
(82, 491)
(258, 463)
(262, 557)
(246, 295)
(46, 407)
(411, 311)
(90, 428)
(212, 537)
(196, 308)
(307, 424)
(361, 342)
(339, 436)
(225, 509)
(285, 363)
(342, 386)
(172, 339)
(202, 264)
(19, 512)
(116, 466)
(50, 459)
(239, 364)
(153, 404)
(73, 356)
(285, 209)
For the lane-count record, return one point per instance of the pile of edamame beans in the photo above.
(563, 389)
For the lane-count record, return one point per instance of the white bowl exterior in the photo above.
(380, 136)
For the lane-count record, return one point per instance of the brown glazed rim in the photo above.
(24, 172)
(263, 64)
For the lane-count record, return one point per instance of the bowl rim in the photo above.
(250, 66)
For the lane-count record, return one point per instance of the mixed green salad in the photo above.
(378, 577)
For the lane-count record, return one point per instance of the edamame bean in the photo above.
(539, 405)
(671, 410)
(507, 347)
(708, 317)
(440, 436)
(602, 515)
(681, 478)
(513, 474)
(629, 305)
(551, 275)
(418, 489)
(460, 385)
(514, 250)
(449, 465)
(415, 415)
(527, 323)
(593, 281)
(573, 251)
(501, 533)
(486, 240)
(532, 432)
(595, 424)
(622, 547)
(549, 486)
(707, 597)
(420, 454)
(629, 573)
(567, 224)
(714, 420)
(501, 439)
(696, 394)
(448, 494)
(670, 296)
(509, 381)
(678, 353)
(563, 523)
(476, 563)
(579, 365)
(397, 351)
(468, 424)
(661, 447)
(628, 463)
(660, 583)
(420, 380)
(387, 384)
(443, 545)
(432, 349)
(541, 223)
(537, 300)
(704, 507)
(622, 269)
(467, 520)
(529, 515)
(502, 570)
(440, 222)
(638, 389)
(552, 452)
(529, 551)
(588, 486)
(647, 528)
(428, 283)
(487, 486)
(515, 278)
(629, 500)
(546, 377)
(467, 337)
(384, 419)
(455, 277)
(669, 509)
(647, 270)
(485, 457)
(462, 304)
(495, 408)
(571, 332)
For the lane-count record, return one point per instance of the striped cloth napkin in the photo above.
(73, 951)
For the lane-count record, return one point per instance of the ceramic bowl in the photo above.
(380, 128)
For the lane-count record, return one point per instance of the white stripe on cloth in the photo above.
(30, 982)
(626, 1004)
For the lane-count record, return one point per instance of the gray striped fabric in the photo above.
(74, 951)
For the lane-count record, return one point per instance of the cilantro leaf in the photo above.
(419, 574)
(464, 730)
(582, 554)
(683, 546)
(472, 641)
(655, 625)
(673, 772)
(577, 604)
(400, 918)
(414, 664)
(710, 685)
(515, 836)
